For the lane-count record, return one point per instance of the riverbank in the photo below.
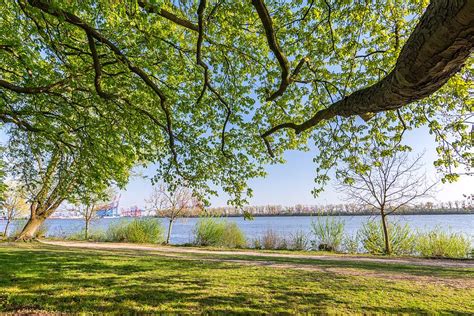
(61, 278)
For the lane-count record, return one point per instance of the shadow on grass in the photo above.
(54, 279)
(418, 270)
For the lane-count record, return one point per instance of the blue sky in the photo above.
(291, 183)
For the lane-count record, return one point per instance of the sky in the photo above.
(291, 183)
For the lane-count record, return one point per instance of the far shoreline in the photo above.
(467, 212)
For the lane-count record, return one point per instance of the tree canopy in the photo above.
(211, 91)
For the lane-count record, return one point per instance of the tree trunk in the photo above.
(170, 226)
(30, 229)
(6, 228)
(385, 234)
(86, 233)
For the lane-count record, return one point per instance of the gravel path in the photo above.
(174, 250)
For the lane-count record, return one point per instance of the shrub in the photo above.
(350, 244)
(328, 232)
(233, 237)
(438, 243)
(402, 240)
(299, 241)
(283, 244)
(257, 243)
(219, 233)
(272, 240)
(142, 230)
(93, 235)
(208, 231)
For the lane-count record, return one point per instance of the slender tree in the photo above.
(172, 204)
(14, 204)
(89, 203)
(386, 184)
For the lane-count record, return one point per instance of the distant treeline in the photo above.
(428, 208)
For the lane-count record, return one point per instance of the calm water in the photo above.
(182, 229)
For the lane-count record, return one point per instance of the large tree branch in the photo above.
(11, 118)
(31, 90)
(436, 50)
(97, 68)
(286, 75)
(151, 8)
(75, 20)
(207, 82)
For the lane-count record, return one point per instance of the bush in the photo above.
(233, 237)
(328, 233)
(273, 240)
(142, 230)
(270, 239)
(257, 243)
(299, 241)
(218, 233)
(402, 240)
(93, 235)
(438, 243)
(350, 244)
(208, 232)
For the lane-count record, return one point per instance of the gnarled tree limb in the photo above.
(286, 75)
(436, 50)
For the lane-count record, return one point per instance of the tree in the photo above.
(53, 173)
(211, 91)
(3, 184)
(386, 184)
(14, 204)
(89, 203)
(173, 204)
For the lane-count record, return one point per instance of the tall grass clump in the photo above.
(208, 231)
(328, 233)
(219, 233)
(233, 237)
(438, 243)
(93, 235)
(271, 240)
(351, 244)
(299, 241)
(401, 238)
(142, 230)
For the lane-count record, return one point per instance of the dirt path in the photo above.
(183, 253)
(172, 250)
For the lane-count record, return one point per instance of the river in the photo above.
(286, 225)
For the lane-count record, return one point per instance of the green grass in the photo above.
(39, 277)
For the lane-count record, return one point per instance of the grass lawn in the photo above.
(50, 278)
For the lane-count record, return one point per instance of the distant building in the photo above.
(133, 211)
